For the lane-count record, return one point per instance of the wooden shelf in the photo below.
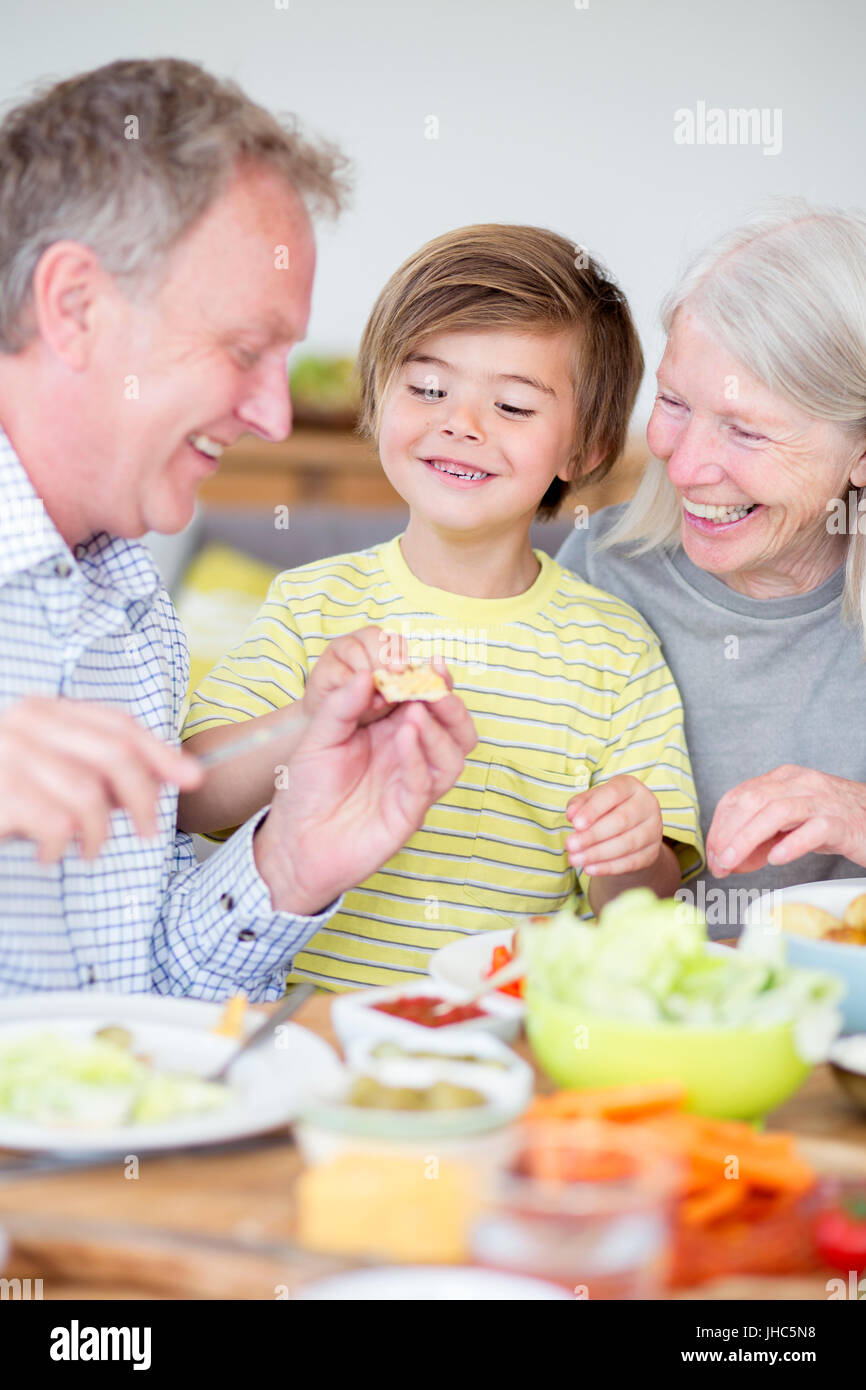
(338, 468)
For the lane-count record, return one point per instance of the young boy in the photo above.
(497, 366)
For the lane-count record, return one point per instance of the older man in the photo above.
(156, 267)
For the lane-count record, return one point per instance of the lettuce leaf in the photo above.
(646, 961)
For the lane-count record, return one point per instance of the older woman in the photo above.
(745, 548)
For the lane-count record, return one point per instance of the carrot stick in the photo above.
(713, 1203)
(621, 1103)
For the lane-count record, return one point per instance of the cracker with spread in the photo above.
(414, 683)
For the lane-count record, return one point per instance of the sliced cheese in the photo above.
(405, 1207)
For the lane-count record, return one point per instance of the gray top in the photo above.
(763, 682)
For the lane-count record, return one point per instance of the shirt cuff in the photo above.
(253, 941)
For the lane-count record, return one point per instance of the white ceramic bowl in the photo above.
(354, 1016)
(508, 1084)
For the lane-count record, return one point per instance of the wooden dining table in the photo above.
(221, 1224)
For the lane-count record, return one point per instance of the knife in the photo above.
(289, 1006)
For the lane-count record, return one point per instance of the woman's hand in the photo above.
(784, 814)
(617, 827)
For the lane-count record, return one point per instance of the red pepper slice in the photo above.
(502, 956)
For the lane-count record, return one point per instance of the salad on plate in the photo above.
(96, 1081)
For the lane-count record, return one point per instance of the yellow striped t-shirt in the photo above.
(567, 688)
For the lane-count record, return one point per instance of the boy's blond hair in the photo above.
(526, 278)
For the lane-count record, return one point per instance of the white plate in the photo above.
(429, 1282)
(832, 894)
(463, 965)
(151, 1008)
(270, 1084)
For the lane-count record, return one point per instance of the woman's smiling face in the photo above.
(754, 473)
(476, 426)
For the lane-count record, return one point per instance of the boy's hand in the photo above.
(618, 828)
(368, 649)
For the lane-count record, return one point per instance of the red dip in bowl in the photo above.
(422, 1009)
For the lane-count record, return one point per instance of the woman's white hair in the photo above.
(785, 293)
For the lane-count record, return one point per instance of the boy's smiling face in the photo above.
(477, 425)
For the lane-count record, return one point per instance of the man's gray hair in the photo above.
(125, 159)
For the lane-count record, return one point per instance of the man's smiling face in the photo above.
(203, 361)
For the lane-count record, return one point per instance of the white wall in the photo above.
(548, 114)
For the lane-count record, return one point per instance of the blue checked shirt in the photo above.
(97, 625)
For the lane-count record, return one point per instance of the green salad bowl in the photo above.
(732, 1073)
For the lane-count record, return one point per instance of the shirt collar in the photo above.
(28, 538)
(119, 566)
(723, 596)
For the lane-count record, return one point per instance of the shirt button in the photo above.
(246, 935)
(227, 901)
(63, 569)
